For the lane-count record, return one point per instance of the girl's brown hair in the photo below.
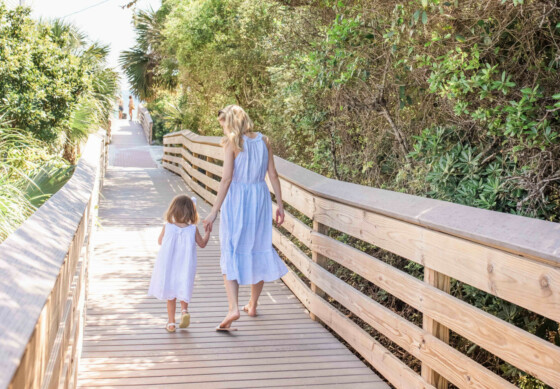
(181, 210)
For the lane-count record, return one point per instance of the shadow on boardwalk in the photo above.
(125, 343)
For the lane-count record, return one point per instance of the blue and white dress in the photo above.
(246, 220)
(175, 267)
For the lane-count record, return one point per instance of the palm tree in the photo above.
(146, 65)
(95, 105)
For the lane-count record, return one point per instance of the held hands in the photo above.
(279, 216)
(209, 222)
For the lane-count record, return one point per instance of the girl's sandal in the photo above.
(168, 327)
(185, 319)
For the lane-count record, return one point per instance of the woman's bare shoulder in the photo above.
(266, 140)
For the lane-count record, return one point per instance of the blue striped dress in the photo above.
(246, 220)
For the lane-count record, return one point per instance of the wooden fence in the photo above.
(43, 267)
(512, 257)
(145, 120)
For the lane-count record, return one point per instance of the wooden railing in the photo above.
(43, 267)
(145, 120)
(512, 257)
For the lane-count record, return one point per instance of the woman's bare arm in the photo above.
(275, 181)
(227, 175)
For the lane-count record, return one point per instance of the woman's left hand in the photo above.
(279, 217)
(209, 222)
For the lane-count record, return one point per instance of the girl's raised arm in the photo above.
(160, 239)
(227, 175)
(200, 240)
(275, 181)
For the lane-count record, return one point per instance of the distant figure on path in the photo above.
(175, 267)
(121, 108)
(130, 107)
(245, 222)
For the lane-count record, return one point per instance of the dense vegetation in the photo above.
(55, 87)
(458, 101)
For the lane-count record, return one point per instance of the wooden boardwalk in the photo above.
(125, 343)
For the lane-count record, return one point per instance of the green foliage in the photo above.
(466, 174)
(23, 183)
(55, 88)
(40, 82)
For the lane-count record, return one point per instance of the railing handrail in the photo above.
(146, 122)
(32, 257)
(508, 232)
(408, 226)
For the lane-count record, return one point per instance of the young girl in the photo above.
(175, 267)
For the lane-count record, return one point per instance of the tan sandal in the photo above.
(185, 319)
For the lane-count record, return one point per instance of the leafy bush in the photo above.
(40, 82)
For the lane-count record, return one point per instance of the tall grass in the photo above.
(29, 173)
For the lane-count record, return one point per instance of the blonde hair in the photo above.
(236, 124)
(181, 210)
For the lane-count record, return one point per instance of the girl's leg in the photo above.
(232, 289)
(184, 306)
(256, 290)
(171, 306)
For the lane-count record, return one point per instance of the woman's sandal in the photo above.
(185, 319)
(168, 327)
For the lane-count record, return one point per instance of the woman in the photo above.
(130, 107)
(245, 223)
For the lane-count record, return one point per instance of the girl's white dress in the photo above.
(175, 267)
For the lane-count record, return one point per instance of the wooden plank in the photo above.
(239, 360)
(209, 166)
(206, 195)
(319, 259)
(442, 282)
(351, 381)
(295, 196)
(386, 363)
(530, 284)
(188, 370)
(202, 177)
(212, 151)
(267, 375)
(537, 356)
(294, 226)
(453, 365)
(529, 237)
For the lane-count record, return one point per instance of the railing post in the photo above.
(319, 260)
(442, 282)
(211, 160)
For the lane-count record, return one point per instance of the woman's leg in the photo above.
(130, 114)
(184, 306)
(171, 306)
(232, 290)
(256, 290)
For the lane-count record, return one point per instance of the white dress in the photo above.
(175, 267)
